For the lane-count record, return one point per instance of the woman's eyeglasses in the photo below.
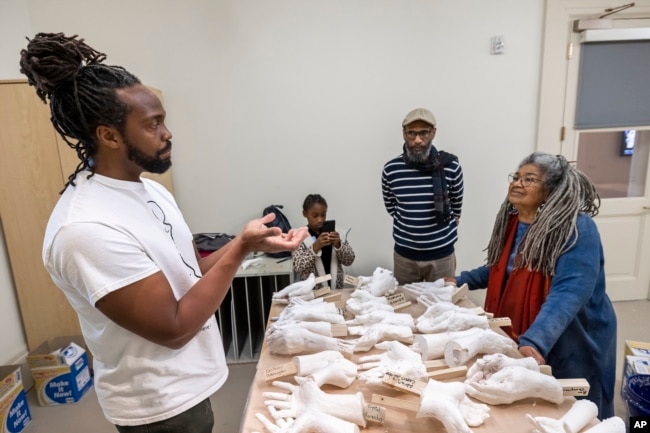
(526, 181)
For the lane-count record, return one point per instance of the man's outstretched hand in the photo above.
(256, 236)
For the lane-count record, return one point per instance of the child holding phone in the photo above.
(322, 252)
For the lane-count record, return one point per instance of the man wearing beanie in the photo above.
(423, 192)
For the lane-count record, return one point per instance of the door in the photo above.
(616, 158)
(31, 178)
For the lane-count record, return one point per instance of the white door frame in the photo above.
(554, 135)
(558, 25)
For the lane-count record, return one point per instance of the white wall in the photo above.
(270, 101)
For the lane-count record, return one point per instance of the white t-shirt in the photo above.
(103, 235)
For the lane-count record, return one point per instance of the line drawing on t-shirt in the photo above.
(159, 213)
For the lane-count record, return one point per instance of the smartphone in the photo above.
(328, 226)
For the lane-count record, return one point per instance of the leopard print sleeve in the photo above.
(345, 254)
(304, 261)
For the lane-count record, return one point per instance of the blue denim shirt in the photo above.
(575, 330)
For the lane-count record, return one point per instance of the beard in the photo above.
(418, 156)
(152, 164)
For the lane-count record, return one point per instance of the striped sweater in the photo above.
(408, 197)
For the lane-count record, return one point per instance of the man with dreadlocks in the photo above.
(423, 191)
(545, 271)
(118, 247)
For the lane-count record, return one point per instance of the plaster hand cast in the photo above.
(307, 364)
(308, 396)
(582, 412)
(381, 283)
(302, 289)
(489, 364)
(315, 311)
(362, 302)
(515, 383)
(610, 425)
(432, 346)
(294, 340)
(381, 332)
(338, 372)
(308, 422)
(430, 291)
(380, 316)
(448, 403)
(438, 308)
(447, 317)
(397, 358)
(461, 349)
(322, 328)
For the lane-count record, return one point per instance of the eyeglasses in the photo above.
(526, 181)
(424, 134)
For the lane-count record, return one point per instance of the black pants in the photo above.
(198, 419)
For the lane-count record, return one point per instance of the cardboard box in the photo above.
(14, 411)
(635, 365)
(637, 348)
(60, 371)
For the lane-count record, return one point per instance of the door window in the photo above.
(616, 161)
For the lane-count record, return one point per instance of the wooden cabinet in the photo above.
(34, 166)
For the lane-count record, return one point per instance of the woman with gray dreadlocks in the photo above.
(545, 271)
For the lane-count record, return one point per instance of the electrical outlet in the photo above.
(497, 46)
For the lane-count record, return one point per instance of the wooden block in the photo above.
(395, 402)
(332, 296)
(353, 281)
(339, 330)
(574, 387)
(402, 305)
(347, 354)
(272, 373)
(498, 322)
(321, 292)
(322, 279)
(448, 373)
(403, 383)
(435, 364)
(396, 299)
(281, 301)
(546, 369)
(374, 413)
(459, 293)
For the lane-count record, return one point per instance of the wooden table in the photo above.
(503, 418)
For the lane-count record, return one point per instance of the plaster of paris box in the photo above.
(60, 371)
(637, 348)
(14, 411)
(635, 365)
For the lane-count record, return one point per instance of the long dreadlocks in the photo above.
(570, 192)
(80, 89)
